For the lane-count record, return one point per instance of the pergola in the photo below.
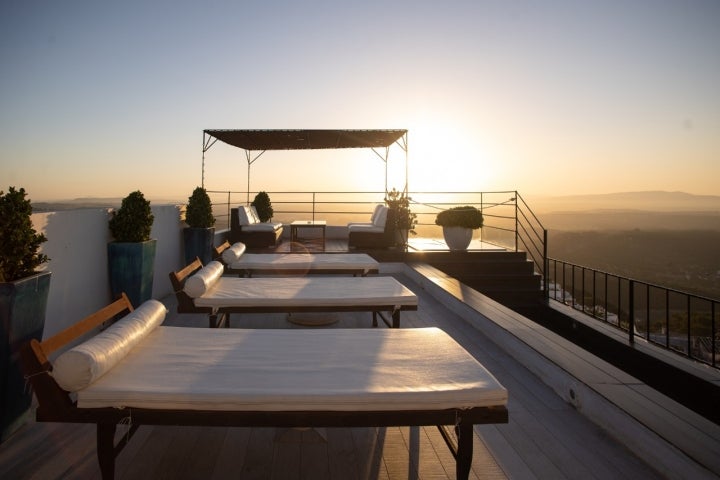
(257, 142)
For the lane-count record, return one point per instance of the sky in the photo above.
(98, 99)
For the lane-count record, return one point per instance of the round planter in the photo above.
(457, 238)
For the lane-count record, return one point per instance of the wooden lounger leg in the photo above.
(396, 318)
(106, 449)
(375, 322)
(463, 461)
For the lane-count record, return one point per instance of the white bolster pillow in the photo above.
(232, 254)
(203, 279)
(82, 365)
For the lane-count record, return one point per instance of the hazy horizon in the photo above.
(551, 98)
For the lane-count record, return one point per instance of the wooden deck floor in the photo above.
(545, 437)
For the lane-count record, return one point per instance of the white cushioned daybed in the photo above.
(146, 374)
(203, 289)
(238, 261)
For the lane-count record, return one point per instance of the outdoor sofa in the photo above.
(246, 227)
(379, 232)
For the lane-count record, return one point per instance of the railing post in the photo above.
(546, 265)
(313, 206)
(631, 308)
(516, 221)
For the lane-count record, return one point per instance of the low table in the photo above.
(294, 226)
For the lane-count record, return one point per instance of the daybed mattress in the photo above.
(302, 292)
(296, 370)
(305, 261)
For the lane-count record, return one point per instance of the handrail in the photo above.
(681, 322)
(509, 221)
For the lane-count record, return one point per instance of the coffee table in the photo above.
(310, 224)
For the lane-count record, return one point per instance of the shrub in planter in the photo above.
(405, 219)
(200, 234)
(23, 301)
(458, 224)
(263, 206)
(131, 257)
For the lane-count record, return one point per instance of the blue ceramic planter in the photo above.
(198, 243)
(131, 267)
(22, 312)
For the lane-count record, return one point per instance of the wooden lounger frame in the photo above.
(218, 317)
(56, 405)
(248, 272)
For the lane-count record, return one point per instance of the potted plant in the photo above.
(199, 235)
(23, 301)
(458, 224)
(131, 256)
(405, 219)
(263, 206)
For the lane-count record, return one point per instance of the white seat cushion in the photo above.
(262, 227)
(365, 227)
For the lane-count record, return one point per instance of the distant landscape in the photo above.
(666, 238)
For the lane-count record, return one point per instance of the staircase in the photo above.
(506, 277)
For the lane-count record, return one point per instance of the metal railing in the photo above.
(681, 322)
(508, 220)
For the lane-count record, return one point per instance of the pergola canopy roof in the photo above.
(306, 139)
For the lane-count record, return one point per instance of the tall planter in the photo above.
(131, 266)
(22, 313)
(198, 243)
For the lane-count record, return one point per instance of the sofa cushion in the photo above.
(80, 366)
(381, 217)
(243, 216)
(263, 227)
(376, 212)
(365, 227)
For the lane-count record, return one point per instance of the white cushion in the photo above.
(243, 216)
(365, 227)
(381, 217)
(233, 253)
(262, 227)
(376, 212)
(203, 279)
(82, 365)
(254, 215)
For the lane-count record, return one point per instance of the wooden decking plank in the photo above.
(370, 443)
(258, 454)
(314, 463)
(231, 453)
(286, 461)
(342, 455)
(509, 459)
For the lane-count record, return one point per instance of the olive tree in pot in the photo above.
(23, 302)
(405, 219)
(131, 257)
(199, 235)
(263, 206)
(458, 224)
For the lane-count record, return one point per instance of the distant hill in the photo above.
(647, 201)
(91, 202)
(628, 211)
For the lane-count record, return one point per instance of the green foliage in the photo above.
(132, 223)
(19, 242)
(400, 202)
(199, 210)
(466, 216)
(263, 206)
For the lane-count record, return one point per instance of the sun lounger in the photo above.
(137, 372)
(204, 290)
(237, 261)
